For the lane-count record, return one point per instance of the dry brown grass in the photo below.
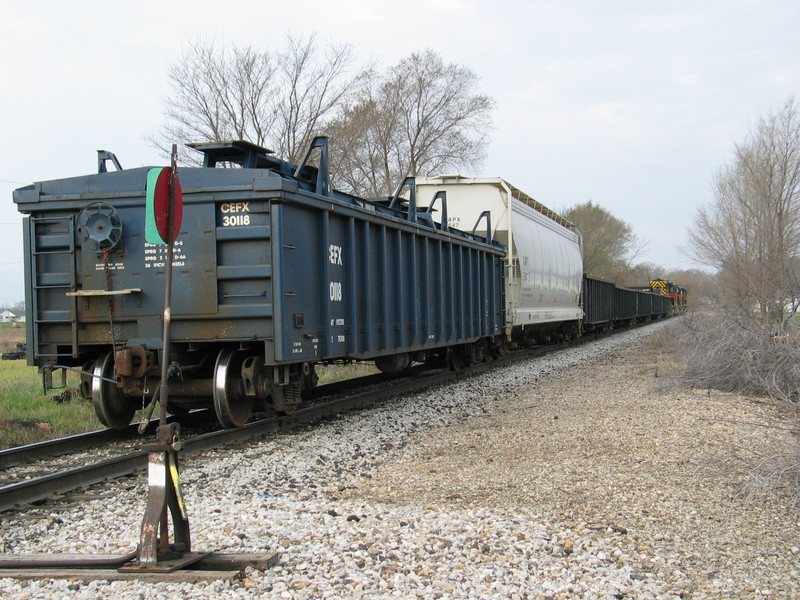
(661, 353)
(10, 335)
(706, 351)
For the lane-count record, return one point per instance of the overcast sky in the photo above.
(632, 104)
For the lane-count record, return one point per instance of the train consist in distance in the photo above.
(678, 296)
(275, 272)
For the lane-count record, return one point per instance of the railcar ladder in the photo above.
(52, 241)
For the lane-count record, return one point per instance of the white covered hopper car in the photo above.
(543, 264)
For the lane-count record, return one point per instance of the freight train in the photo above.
(275, 272)
(678, 296)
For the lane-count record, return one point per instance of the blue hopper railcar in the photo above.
(274, 272)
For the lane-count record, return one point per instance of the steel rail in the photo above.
(40, 488)
(29, 453)
(36, 489)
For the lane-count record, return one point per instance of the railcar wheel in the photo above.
(86, 380)
(310, 380)
(499, 349)
(394, 364)
(286, 398)
(230, 404)
(456, 359)
(477, 352)
(112, 408)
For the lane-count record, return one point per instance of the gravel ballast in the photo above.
(579, 475)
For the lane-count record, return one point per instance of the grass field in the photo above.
(29, 415)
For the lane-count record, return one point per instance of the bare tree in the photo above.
(275, 99)
(640, 275)
(313, 88)
(701, 286)
(218, 94)
(750, 234)
(751, 231)
(422, 117)
(609, 244)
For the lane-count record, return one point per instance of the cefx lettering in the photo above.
(335, 254)
(234, 207)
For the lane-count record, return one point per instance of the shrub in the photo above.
(735, 354)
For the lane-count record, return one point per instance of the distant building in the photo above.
(10, 316)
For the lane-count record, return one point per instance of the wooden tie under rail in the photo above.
(213, 567)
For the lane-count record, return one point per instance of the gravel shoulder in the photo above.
(578, 475)
(609, 450)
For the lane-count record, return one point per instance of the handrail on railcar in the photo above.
(485, 215)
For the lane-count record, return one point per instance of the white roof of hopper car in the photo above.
(501, 184)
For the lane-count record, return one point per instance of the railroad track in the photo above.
(39, 488)
(30, 453)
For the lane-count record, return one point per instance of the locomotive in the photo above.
(677, 295)
(275, 272)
